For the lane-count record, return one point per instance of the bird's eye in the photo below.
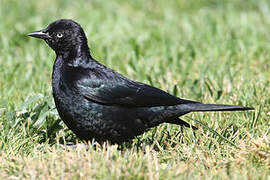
(59, 35)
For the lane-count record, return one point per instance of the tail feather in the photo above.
(198, 107)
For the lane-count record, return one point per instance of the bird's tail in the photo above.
(198, 107)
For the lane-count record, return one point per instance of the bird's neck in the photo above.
(78, 56)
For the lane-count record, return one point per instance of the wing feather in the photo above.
(118, 90)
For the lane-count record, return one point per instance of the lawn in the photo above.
(213, 51)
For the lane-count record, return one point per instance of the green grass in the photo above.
(208, 50)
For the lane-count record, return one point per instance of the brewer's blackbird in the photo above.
(98, 103)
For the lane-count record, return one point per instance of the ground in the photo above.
(209, 51)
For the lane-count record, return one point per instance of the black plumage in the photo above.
(97, 102)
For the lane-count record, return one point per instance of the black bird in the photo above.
(98, 103)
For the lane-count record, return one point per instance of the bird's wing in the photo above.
(118, 90)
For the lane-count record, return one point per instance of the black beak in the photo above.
(40, 34)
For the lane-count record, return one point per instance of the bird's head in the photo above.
(63, 36)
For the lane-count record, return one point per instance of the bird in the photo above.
(98, 103)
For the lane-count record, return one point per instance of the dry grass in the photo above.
(108, 162)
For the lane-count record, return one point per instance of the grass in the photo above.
(209, 51)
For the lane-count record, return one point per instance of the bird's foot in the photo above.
(77, 146)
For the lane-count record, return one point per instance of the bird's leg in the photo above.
(181, 123)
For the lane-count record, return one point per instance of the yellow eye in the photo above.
(59, 35)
